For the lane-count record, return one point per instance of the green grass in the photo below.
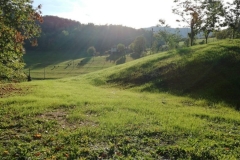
(46, 67)
(205, 71)
(116, 113)
(210, 40)
(200, 40)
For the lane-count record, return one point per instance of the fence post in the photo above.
(29, 76)
(44, 72)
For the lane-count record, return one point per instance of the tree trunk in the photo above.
(192, 33)
(206, 36)
(191, 37)
(233, 33)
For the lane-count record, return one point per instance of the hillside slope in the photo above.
(60, 34)
(206, 71)
(128, 111)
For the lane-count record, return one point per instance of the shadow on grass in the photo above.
(135, 55)
(37, 79)
(184, 51)
(40, 65)
(119, 58)
(214, 78)
(32, 58)
(84, 61)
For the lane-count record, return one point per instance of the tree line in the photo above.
(59, 34)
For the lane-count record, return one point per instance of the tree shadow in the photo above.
(84, 61)
(115, 57)
(216, 80)
(184, 51)
(121, 60)
(135, 55)
(209, 81)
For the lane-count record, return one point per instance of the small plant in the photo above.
(202, 42)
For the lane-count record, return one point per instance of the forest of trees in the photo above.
(59, 34)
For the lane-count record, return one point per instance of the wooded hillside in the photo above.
(63, 34)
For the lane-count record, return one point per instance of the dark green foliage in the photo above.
(232, 17)
(17, 23)
(190, 13)
(212, 21)
(120, 56)
(91, 51)
(223, 34)
(59, 34)
(165, 40)
(121, 48)
(139, 45)
(202, 42)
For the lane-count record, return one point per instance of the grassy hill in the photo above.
(52, 65)
(204, 71)
(173, 105)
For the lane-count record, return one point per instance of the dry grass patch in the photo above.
(7, 90)
(61, 116)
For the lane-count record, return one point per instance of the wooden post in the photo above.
(73, 64)
(29, 76)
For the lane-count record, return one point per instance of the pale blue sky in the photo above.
(132, 13)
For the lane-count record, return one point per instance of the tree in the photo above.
(139, 45)
(212, 21)
(232, 17)
(131, 47)
(17, 23)
(164, 39)
(91, 51)
(191, 13)
(223, 34)
(168, 40)
(121, 48)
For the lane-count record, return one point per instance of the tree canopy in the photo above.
(91, 51)
(191, 14)
(121, 48)
(17, 23)
(60, 34)
(232, 17)
(208, 16)
(139, 45)
(213, 19)
(164, 39)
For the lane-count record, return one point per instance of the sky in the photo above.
(132, 13)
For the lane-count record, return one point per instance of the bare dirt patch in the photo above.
(60, 116)
(11, 89)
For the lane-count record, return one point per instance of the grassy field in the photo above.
(54, 65)
(200, 40)
(46, 67)
(163, 106)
